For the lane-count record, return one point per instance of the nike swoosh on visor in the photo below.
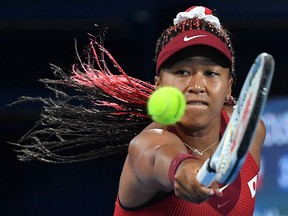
(193, 37)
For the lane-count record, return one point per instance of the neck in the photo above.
(198, 139)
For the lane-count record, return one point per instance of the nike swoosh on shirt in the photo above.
(223, 204)
(193, 37)
(223, 188)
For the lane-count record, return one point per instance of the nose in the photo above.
(196, 84)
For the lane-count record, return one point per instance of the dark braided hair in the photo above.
(93, 113)
(197, 24)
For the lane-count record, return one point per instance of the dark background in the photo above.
(34, 34)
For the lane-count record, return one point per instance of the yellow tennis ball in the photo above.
(166, 105)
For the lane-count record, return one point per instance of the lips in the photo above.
(197, 102)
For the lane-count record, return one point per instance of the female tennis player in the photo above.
(196, 56)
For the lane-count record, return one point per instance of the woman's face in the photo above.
(202, 74)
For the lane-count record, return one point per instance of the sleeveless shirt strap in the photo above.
(224, 121)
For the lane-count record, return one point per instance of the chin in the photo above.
(193, 121)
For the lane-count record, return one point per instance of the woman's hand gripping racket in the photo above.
(225, 164)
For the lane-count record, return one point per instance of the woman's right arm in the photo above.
(150, 156)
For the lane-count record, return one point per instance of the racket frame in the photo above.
(226, 162)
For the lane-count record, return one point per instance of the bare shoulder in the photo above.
(154, 134)
(151, 138)
(138, 174)
(258, 140)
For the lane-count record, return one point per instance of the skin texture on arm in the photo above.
(258, 141)
(145, 173)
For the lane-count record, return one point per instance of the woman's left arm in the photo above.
(257, 142)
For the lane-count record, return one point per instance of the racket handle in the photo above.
(206, 174)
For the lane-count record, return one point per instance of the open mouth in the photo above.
(197, 103)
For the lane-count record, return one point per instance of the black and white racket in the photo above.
(226, 162)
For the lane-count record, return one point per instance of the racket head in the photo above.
(232, 150)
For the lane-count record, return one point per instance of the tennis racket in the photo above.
(226, 162)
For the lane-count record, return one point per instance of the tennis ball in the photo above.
(166, 105)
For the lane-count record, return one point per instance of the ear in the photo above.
(157, 82)
(230, 84)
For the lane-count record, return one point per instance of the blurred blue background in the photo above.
(36, 33)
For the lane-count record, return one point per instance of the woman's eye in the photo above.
(211, 73)
(182, 72)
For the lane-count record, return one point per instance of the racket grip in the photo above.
(206, 174)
